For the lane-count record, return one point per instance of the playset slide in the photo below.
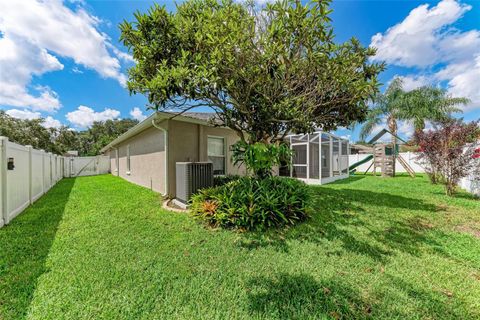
(356, 164)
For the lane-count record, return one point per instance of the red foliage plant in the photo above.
(450, 152)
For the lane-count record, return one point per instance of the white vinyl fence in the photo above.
(26, 174)
(410, 158)
(86, 166)
(470, 183)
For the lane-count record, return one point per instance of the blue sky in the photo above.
(63, 60)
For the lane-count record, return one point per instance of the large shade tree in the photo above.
(420, 105)
(264, 71)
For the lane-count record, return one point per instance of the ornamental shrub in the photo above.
(253, 204)
(221, 180)
(448, 153)
(259, 158)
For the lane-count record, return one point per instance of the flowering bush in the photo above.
(449, 152)
(476, 155)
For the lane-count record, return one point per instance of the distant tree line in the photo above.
(60, 140)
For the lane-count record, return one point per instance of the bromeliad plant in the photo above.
(258, 201)
(253, 204)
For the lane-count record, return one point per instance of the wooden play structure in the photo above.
(385, 156)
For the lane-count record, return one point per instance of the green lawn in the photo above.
(101, 248)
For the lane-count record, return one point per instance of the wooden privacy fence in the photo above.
(26, 174)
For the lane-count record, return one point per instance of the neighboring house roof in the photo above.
(362, 148)
(191, 117)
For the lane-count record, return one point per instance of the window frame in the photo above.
(224, 139)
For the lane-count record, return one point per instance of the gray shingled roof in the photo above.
(207, 116)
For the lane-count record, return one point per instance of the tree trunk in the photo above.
(392, 126)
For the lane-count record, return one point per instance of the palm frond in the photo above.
(375, 118)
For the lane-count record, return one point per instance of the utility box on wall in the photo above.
(10, 164)
(191, 177)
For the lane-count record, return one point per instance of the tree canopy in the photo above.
(264, 71)
(60, 140)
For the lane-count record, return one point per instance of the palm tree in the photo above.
(420, 105)
(431, 104)
(388, 105)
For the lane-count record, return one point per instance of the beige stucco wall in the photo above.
(188, 142)
(147, 160)
(185, 142)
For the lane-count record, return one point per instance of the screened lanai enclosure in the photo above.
(318, 158)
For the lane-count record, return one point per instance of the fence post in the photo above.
(30, 174)
(43, 171)
(3, 181)
(50, 156)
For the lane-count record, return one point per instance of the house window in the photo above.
(128, 159)
(216, 154)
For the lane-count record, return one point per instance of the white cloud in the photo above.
(19, 61)
(415, 40)
(426, 38)
(34, 34)
(137, 114)
(49, 122)
(76, 70)
(412, 82)
(405, 129)
(23, 114)
(84, 116)
(464, 80)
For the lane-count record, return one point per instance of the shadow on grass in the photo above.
(340, 214)
(300, 296)
(349, 180)
(25, 244)
(355, 199)
(438, 303)
(461, 194)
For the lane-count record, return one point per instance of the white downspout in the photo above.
(165, 135)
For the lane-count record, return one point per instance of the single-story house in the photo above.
(147, 153)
